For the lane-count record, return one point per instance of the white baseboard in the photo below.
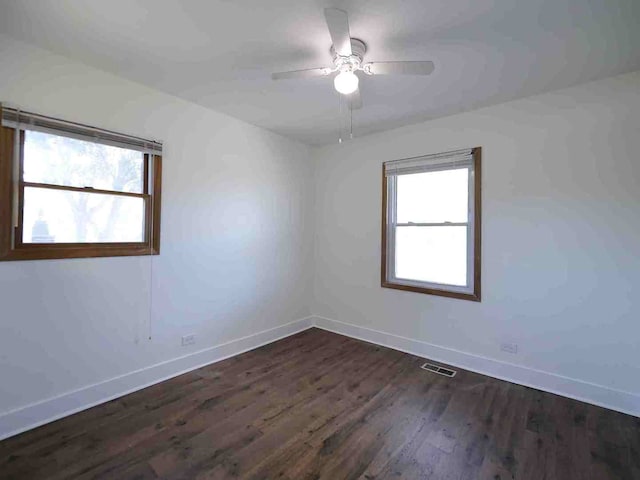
(600, 395)
(36, 414)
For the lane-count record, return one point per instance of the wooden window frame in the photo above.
(477, 240)
(11, 239)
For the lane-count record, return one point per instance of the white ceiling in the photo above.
(220, 53)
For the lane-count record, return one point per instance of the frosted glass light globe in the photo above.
(346, 82)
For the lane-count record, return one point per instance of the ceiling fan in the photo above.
(348, 55)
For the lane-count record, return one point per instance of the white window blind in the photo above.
(21, 120)
(440, 161)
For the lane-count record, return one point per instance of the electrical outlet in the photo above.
(188, 340)
(509, 347)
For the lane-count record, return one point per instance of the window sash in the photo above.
(97, 191)
(468, 288)
(146, 169)
(19, 229)
(442, 162)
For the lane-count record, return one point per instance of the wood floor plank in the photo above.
(322, 406)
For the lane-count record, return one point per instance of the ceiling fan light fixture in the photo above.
(346, 82)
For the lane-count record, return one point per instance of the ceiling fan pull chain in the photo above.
(351, 123)
(340, 118)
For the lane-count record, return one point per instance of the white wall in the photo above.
(236, 244)
(561, 236)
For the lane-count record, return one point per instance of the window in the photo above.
(431, 224)
(68, 191)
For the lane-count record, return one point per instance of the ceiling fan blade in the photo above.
(310, 73)
(338, 24)
(355, 100)
(399, 68)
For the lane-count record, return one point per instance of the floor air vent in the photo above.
(447, 372)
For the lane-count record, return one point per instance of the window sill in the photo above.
(65, 251)
(474, 297)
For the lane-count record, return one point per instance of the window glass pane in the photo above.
(74, 163)
(432, 254)
(58, 216)
(433, 197)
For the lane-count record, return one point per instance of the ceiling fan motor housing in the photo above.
(353, 61)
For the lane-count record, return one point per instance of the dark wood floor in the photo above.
(322, 406)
